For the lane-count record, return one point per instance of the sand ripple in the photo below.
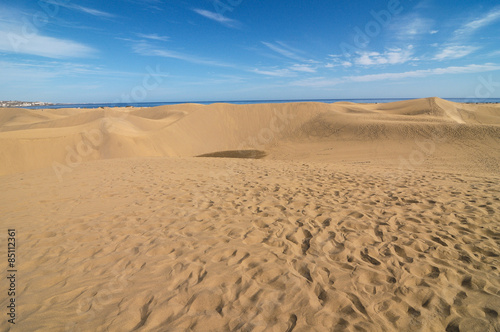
(254, 245)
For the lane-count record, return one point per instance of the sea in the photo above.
(244, 102)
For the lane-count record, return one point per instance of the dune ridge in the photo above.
(193, 129)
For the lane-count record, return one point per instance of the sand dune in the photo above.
(33, 139)
(358, 217)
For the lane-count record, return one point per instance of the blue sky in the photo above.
(203, 50)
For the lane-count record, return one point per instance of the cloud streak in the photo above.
(303, 68)
(21, 71)
(219, 18)
(93, 12)
(291, 71)
(45, 46)
(425, 73)
(336, 60)
(325, 82)
(147, 49)
(480, 22)
(284, 50)
(152, 36)
(455, 52)
(274, 72)
(411, 26)
(389, 57)
(82, 9)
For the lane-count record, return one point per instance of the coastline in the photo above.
(252, 102)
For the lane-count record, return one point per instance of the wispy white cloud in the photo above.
(325, 82)
(274, 72)
(455, 52)
(21, 71)
(345, 64)
(218, 18)
(336, 60)
(93, 12)
(82, 9)
(455, 48)
(13, 40)
(411, 26)
(152, 36)
(284, 50)
(494, 54)
(391, 57)
(479, 22)
(147, 49)
(425, 73)
(303, 68)
(290, 71)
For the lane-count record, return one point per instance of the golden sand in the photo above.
(357, 217)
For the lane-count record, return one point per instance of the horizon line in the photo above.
(255, 100)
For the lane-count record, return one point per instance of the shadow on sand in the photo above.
(247, 154)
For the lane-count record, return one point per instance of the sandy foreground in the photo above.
(356, 217)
